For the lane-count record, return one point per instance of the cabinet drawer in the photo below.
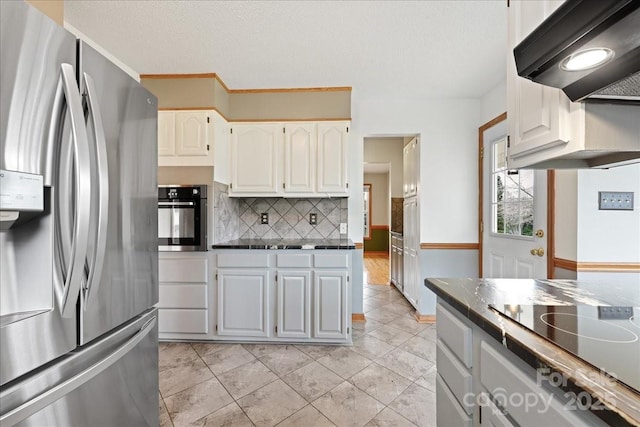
(331, 260)
(455, 334)
(455, 375)
(448, 412)
(243, 260)
(504, 379)
(491, 414)
(183, 296)
(187, 270)
(294, 260)
(177, 321)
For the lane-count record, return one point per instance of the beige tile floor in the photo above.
(387, 378)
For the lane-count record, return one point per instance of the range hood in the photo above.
(579, 26)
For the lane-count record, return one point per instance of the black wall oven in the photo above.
(182, 218)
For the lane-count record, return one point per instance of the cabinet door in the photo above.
(393, 261)
(410, 160)
(330, 304)
(254, 158)
(332, 157)
(299, 157)
(166, 133)
(192, 130)
(294, 304)
(538, 116)
(243, 302)
(411, 237)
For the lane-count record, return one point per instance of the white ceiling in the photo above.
(399, 49)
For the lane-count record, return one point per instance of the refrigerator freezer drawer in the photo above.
(113, 382)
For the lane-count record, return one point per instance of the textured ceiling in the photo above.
(400, 49)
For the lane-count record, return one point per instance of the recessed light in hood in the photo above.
(586, 59)
(582, 26)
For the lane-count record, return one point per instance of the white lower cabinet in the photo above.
(481, 383)
(250, 295)
(293, 304)
(330, 305)
(283, 295)
(243, 303)
(184, 306)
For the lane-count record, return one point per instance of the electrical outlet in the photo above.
(343, 228)
(615, 200)
(313, 218)
(264, 218)
(605, 312)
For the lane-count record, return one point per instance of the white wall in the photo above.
(380, 200)
(566, 220)
(608, 236)
(387, 150)
(494, 102)
(448, 130)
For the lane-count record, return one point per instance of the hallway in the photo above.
(376, 268)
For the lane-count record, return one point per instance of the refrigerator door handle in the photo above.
(48, 397)
(67, 294)
(95, 271)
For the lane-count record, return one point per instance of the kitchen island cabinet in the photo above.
(495, 370)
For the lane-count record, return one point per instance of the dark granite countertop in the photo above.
(286, 244)
(471, 297)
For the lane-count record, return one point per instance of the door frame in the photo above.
(551, 198)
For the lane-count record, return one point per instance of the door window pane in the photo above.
(511, 195)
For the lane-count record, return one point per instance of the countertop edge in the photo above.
(538, 352)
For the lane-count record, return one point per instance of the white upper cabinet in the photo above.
(299, 157)
(410, 161)
(191, 133)
(166, 133)
(255, 153)
(185, 138)
(332, 157)
(289, 159)
(540, 118)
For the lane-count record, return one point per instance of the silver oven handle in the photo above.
(170, 204)
(48, 397)
(67, 293)
(95, 271)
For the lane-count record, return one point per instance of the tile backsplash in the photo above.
(226, 219)
(288, 218)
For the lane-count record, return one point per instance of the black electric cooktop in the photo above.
(606, 337)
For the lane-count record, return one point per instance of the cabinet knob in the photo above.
(539, 233)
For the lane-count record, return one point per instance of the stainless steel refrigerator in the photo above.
(78, 232)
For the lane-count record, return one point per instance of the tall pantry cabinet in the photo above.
(411, 221)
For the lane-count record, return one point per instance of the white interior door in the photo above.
(514, 213)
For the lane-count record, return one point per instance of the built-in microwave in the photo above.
(182, 218)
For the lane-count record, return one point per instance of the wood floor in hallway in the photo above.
(376, 268)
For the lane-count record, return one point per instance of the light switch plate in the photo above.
(313, 218)
(343, 228)
(615, 200)
(264, 218)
